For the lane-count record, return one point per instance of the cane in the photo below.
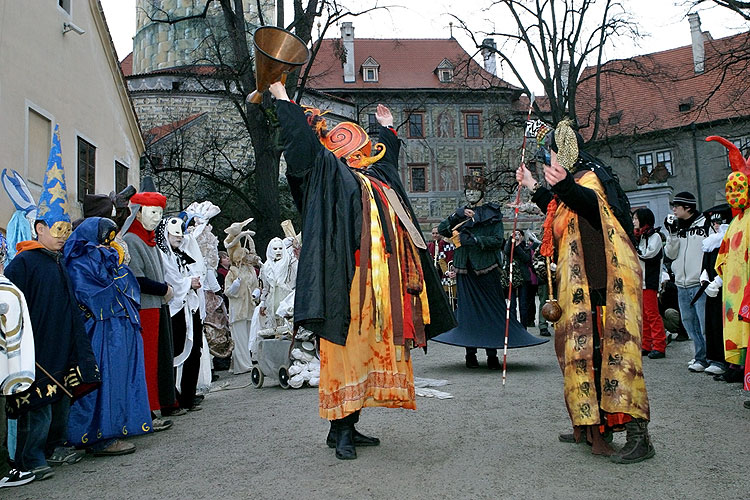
(512, 248)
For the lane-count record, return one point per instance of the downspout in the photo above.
(695, 163)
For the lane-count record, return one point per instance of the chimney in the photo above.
(564, 76)
(347, 36)
(488, 54)
(696, 35)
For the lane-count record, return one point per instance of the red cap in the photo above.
(148, 199)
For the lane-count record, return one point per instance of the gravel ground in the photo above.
(489, 441)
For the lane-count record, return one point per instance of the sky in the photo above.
(663, 22)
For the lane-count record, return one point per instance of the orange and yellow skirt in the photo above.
(369, 370)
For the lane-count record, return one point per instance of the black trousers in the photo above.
(191, 366)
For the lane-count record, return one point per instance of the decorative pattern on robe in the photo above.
(732, 266)
(623, 388)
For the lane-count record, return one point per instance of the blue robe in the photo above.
(109, 295)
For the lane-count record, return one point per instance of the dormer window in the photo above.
(614, 118)
(370, 70)
(445, 71)
(686, 105)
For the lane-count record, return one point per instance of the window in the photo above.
(64, 5)
(371, 74)
(418, 178)
(744, 144)
(473, 125)
(39, 140)
(121, 176)
(176, 86)
(372, 124)
(416, 125)
(86, 168)
(446, 75)
(654, 159)
(614, 118)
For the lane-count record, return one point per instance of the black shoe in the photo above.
(545, 333)
(746, 404)
(645, 352)
(359, 439)
(681, 337)
(638, 445)
(493, 363)
(343, 433)
(656, 355)
(471, 361)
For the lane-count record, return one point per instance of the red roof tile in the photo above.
(157, 133)
(651, 103)
(126, 65)
(404, 64)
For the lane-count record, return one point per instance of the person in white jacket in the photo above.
(687, 228)
(650, 253)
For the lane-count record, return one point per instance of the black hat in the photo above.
(685, 199)
(720, 213)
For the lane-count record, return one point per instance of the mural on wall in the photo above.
(446, 126)
(447, 178)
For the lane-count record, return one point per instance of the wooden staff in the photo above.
(49, 375)
(512, 247)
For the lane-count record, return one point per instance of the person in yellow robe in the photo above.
(732, 264)
(598, 336)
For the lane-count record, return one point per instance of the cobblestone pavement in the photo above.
(489, 441)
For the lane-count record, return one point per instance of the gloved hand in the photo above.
(713, 288)
(670, 223)
(468, 239)
(704, 276)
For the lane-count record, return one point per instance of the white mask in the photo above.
(278, 251)
(473, 195)
(149, 217)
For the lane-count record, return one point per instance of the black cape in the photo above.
(327, 194)
(61, 344)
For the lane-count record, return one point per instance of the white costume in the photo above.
(241, 282)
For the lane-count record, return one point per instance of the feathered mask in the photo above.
(346, 140)
(736, 189)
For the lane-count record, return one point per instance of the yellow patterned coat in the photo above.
(623, 388)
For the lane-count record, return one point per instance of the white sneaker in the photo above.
(691, 362)
(715, 370)
(697, 368)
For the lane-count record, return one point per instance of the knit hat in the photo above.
(685, 199)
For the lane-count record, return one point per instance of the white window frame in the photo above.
(37, 109)
(656, 156)
(114, 172)
(445, 75)
(366, 77)
(743, 143)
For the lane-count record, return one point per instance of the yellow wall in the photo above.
(70, 79)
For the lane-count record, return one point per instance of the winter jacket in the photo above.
(685, 248)
(650, 254)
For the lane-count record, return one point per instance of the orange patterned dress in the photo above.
(387, 318)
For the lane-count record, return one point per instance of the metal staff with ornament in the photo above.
(516, 205)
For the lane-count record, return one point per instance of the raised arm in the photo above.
(301, 145)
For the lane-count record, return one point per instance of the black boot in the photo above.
(359, 438)
(493, 363)
(638, 445)
(342, 430)
(471, 358)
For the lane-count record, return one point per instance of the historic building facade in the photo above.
(454, 116)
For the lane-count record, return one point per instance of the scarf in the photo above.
(148, 237)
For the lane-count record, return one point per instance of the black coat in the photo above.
(327, 194)
(61, 344)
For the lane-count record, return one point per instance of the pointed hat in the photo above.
(53, 202)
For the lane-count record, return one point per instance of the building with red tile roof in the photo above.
(657, 109)
(455, 115)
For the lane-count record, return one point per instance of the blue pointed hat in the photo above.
(53, 202)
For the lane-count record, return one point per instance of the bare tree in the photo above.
(741, 8)
(558, 39)
(227, 50)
